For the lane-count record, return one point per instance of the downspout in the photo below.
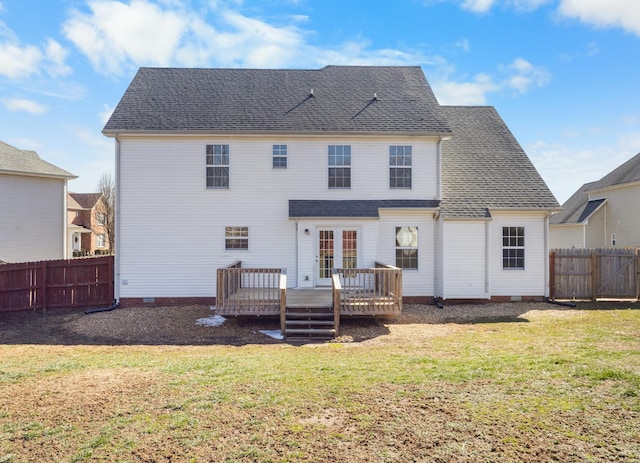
(116, 257)
(546, 255)
(65, 220)
(438, 284)
(439, 167)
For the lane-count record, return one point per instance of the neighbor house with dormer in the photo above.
(312, 172)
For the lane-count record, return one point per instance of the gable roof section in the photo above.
(352, 208)
(83, 200)
(18, 162)
(345, 99)
(576, 208)
(484, 167)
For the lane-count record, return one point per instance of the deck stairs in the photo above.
(309, 317)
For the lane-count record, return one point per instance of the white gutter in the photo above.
(439, 168)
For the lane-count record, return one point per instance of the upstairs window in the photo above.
(513, 248)
(407, 247)
(400, 167)
(236, 238)
(339, 166)
(279, 156)
(101, 218)
(218, 166)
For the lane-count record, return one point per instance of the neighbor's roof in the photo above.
(20, 162)
(83, 200)
(352, 208)
(484, 167)
(345, 99)
(579, 208)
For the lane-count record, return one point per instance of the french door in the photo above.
(337, 248)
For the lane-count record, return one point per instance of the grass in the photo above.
(554, 388)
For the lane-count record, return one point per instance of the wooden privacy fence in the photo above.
(608, 273)
(56, 284)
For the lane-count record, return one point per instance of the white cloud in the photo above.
(604, 13)
(115, 33)
(477, 6)
(29, 106)
(522, 75)
(55, 56)
(465, 93)
(18, 61)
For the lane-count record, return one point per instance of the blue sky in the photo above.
(564, 74)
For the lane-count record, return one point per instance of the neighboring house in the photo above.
(87, 233)
(603, 213)
(311, 170)
(33, 204)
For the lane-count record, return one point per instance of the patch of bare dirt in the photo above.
(178, 325)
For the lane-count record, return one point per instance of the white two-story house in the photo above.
(313, 170)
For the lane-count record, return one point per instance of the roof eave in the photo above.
(207, 132)
(38, 174)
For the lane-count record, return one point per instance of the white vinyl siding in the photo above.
(193, 220)
(419, 282)
(530, 281)
(464, 260)
(32, 226)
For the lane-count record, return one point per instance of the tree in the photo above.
(105, 210)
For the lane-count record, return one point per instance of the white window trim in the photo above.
(214, 165)
(349, 166)
(232, 237)
(523, 247)
(409, 167)
(400, 247)
(280, 155)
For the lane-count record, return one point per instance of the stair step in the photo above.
(326, 331)
(308, 314)
(310, 322)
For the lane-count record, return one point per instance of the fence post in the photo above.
(44, 288)
(594, 275)
(552, 275)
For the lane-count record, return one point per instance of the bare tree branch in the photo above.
(106, 208)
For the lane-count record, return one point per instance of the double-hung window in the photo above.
(400, 167)
(407, 247)
(513, 248)
(236, 238)
(279, 156)
(339, 166)
(100, 241)
(218, 166)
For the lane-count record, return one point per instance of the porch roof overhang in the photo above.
(73, 228)
(354, 208)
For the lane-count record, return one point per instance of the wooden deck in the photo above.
(354, 292)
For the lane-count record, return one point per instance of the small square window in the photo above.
(236, 238)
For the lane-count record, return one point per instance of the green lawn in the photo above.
(558, 386)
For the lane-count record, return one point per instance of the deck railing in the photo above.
(249, 291)
(336, 286)
(370, 291)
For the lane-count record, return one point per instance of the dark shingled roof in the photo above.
(352, 208)
(85, 200)
(577, 208)
(484, 167)
(280, 101)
